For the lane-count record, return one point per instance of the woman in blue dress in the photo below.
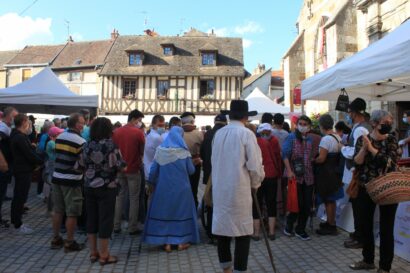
(172, 217)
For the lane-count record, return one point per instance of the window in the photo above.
(208, 58)
(129, 88)
(75, 76)
(207, 89)
(136, 59)
(26, 74)
(162, 89)
(168, 51)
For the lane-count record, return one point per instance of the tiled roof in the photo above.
(37, 54)
(6, 56)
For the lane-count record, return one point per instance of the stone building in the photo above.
(5, 57)
(330, 31)
(195, 72)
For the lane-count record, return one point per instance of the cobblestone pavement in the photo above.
(31, 253)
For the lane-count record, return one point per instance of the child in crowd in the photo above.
(53, 133)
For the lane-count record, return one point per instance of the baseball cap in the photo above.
(55, 131)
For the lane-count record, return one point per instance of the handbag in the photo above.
(4, 167)
(353, 188)
(208, 193)
(342, 103)
(390, 188)
(299, 167)
(292, 201)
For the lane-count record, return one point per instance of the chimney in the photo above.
(259, 69)
(114, 34)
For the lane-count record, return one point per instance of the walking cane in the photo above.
(265, 236)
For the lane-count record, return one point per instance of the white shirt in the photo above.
(153, 140)
(348, 152)
(330, 143)
(236, 168)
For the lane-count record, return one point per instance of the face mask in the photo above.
(266, 137)
(349, 120)
(160, 130)
(385, 129)
(303, 129)
(29, 131)
(405, 120)
(139, 124)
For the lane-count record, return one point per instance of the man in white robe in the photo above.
(236, 170)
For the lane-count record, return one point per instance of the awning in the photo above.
(378, 72)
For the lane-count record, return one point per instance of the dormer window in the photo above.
(208, 54)
(208, 58)
(168, 49)
(136, 58)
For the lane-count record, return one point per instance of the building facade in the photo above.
(196, 72)
(330, 31)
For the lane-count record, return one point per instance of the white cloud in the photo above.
(19, 31)
(247, 43)
(249, 27)
(220, 32)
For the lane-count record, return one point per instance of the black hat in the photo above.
(358, 105)
(221, 118)
(32, 118)
(240, 107)
(187, 114)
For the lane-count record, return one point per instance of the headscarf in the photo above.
(172, 148)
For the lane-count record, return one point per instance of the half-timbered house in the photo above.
(195, 72)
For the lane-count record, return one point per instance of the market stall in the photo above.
(263, 104)
(379, 72)
(45, 93)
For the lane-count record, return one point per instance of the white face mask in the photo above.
(303, 129)
(139, 124)
(405, 120)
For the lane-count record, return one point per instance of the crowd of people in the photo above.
(96, 177)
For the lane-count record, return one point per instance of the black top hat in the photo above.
(32, 118)
(358, 105)
(186, 114)
(239, 107)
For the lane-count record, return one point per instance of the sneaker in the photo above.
(362, 265)
(353, 244)
(72, 246)
(303, 236)
(57, 243)
(137, 232)
(327, 230)
(117, 231)
(41, 195)
(25, 230)
(288, 232)
(323, 224)
(272, 237)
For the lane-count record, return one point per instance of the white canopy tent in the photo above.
(258, 101)
(45, 93)
(378, 72)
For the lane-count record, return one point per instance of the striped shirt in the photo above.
(69, 146)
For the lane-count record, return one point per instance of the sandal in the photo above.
(108, 260)
(167, 248)
(94, 257)
(183, 247)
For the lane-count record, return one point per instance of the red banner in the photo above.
(297, 96)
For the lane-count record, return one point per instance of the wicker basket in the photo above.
(390, 188)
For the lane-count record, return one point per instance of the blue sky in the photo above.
(267, 26)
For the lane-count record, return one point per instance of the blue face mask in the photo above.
(405, 120)
(161, 130)
(349, 120)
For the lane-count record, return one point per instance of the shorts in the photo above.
(67, 199)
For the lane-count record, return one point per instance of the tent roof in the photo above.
(45, 90)
(260, 102)
(378, 72)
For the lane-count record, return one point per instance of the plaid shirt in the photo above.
(294, 148)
